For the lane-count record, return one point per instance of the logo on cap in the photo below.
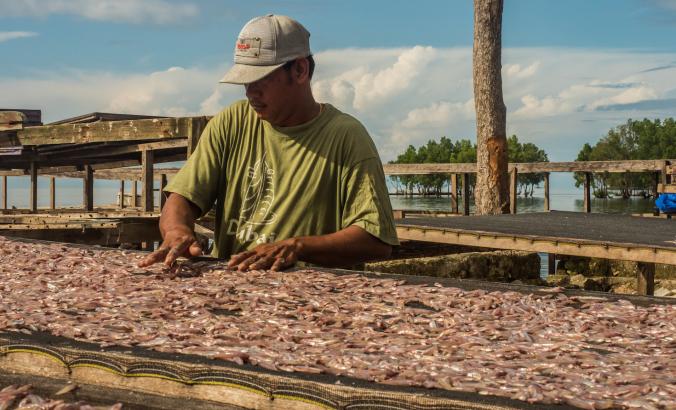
(248, 47)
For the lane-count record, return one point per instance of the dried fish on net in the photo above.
(536, 348)
(16, 397)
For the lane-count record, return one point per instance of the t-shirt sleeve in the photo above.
(367, 202)
(199, 178)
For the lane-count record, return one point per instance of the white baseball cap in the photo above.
(265, 44)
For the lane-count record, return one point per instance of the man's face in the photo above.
(272, 96)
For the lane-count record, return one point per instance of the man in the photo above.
(292, 179)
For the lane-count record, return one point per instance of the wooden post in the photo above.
(399, 214)
(88, 188)
(465, 194)
(195, 131)
(454, 193)
(120, 200)
(512, 190)
(551, 263)
(546, 191)
(147, 180)
(34, 187)
(587, 192)
(656, 182)
(4, 192)
(645, 280)
(163, 183)
(134, 193)
(52, 192)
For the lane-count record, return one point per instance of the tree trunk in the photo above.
(492, 185)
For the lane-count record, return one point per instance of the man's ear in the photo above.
(301, 70)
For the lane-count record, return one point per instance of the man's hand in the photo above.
(177, 242)
(273, 256)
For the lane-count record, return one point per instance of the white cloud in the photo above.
(127, 11)
(515, 70)
(12, 35)
(554, 97)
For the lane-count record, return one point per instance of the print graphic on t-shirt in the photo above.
(257, 202)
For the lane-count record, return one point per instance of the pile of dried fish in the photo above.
(549, 348)
(21, 398)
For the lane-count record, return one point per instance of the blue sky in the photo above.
(571, 69)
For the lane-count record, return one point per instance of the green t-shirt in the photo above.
(272, 183)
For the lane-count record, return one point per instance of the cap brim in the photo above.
(245, 74)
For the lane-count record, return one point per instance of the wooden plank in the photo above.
(666, 188)
(91, 234)
(559, 246)
(11, 120)
(465, 194)
(33, 117)
(4, 192)
(88, 188)
(127, 130)
(512, 190)
(34, 187)
(645, 278)
(135, 148)
(454, 193)
(147, 180)
(52, 192)
(587, 192)
(531, 167)
(547, 191)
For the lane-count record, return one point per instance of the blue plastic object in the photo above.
(666, 203)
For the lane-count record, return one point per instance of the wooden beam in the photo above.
(512, 190)
(645, 279)
(52, 192)
(127, 130)
(88, 188)
(587, 192)
(4, 192)
(465, 194)
(454, 193)
(666, 188)
(147, 180)
(530, 167)
(11, 120)
(34, 187)
(547, 207)
(559, 246)
(129, 149)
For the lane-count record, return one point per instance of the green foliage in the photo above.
(528, 152)
(634, 140)
(461, 151)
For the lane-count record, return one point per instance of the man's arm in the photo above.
(344, 248)
(177, 226)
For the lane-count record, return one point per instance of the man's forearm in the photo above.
(178, 212)
(346, 247)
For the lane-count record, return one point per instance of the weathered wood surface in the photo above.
(666, 188)
(130, 130)
(530, 167)
(11, 120)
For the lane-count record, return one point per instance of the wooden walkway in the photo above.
(644, 240)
